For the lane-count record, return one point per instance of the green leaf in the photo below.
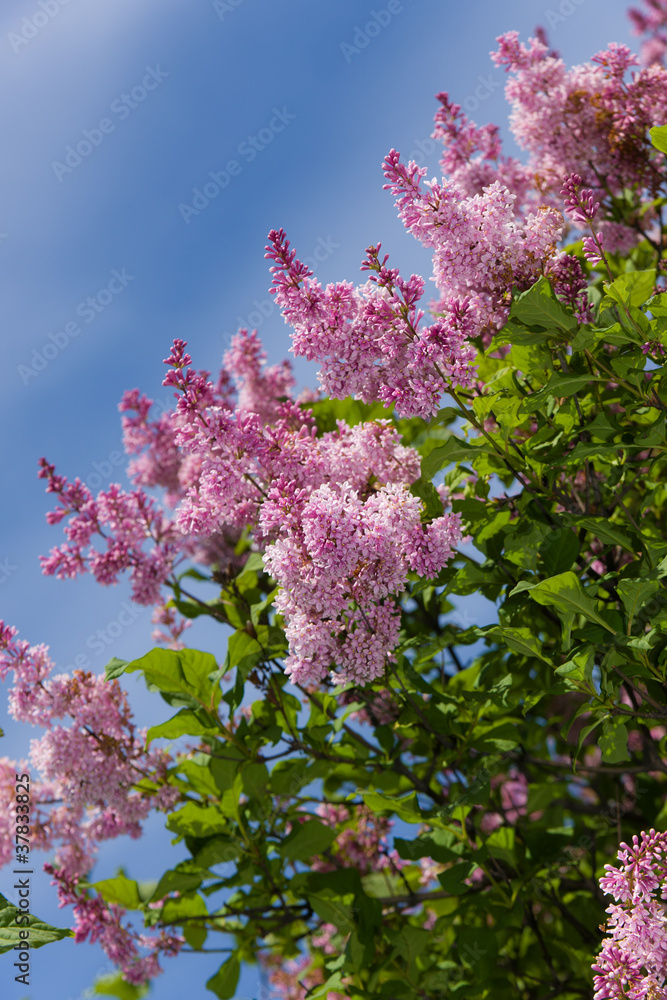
(246, 651)
(411, 942)
(328, 411)
(115, 986)
(427, 493)
(194, 820)
(226, 979)
(605, 530)
(453, 450)
(12, 934)
(521, 640)
(659, 137)
(255, 778)
(184, 907)
(184, 878)
(195, 935)
(557, 386)
(539, 307)
(500, 738)
(194, 609)
(405, 808)
(332, 911)
(614, 742)
(217, 851)
(472, 510)
(501, 845)
(436, 845)
(566, 593)
(453, 880)
(253, 564)
(120, 890)
(183, 674)
(635, 594)
(559, 550)
(632, 288)
(184, 723)
(580, 668)
(115, 668)
(334, 982)
(307, 840)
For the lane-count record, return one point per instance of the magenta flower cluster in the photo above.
(591, 120)
(480, 247)
(334, 515)
(369, 340)
(361, 843)
(633, 962)
(90, 760)
(652, 22)
(338, 559)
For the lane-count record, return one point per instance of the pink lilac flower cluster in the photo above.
(292, 980)
(174, 626)
(591, 120)
(570, 284)
(333, 512)
(128, 531)
(581, 206)
(633, 962)
(472, 158)
(369, 339)
(381, 710)
(651, 21)
(341, 530)
(89, 761)
(361, 844)
(481, 248)
(137, 955)
(513, 799)
(125, 522)
(339, 560)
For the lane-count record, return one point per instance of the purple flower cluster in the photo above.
(652, 21)
(591, 120)
(481, 248)
(339, 559)
(633, 962)
(334, 514)
(369, 339)
(90, 760)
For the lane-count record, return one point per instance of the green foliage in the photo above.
(13, 933)
(116, 986)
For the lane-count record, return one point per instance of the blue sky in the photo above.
(104, 261)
